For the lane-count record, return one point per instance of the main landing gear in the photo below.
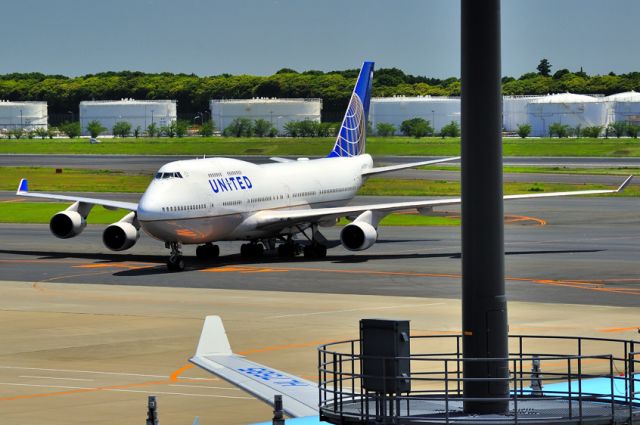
(208, 251)
(252, 250)
(315, 251)
(175, 263)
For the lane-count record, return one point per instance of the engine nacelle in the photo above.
(120, 236)
(358, 236)
(67, 224)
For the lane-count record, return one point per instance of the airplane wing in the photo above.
(299, 396)
(23, 190)
(283, 218)
(380, 170)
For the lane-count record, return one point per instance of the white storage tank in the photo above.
(26, 115)
(439, 111)
(136, 112)
(566, 108)
(515, 111)
(624, 107)
(277, 111)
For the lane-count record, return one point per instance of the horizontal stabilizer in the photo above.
(299, 396)
(279, 159)
(387, 169)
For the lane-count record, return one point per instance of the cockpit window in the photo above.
(168, 175)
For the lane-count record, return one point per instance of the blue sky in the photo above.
(76, 37)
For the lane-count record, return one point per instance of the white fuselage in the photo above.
(207, 200)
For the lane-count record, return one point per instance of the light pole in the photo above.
(21, 123)
(433, 119)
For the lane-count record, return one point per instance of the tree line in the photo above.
(193, 92)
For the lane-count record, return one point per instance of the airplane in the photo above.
(203, 201)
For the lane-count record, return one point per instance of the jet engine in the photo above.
(358, 236)
(121, 235)
(67, 224)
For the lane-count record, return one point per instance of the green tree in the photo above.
(559, 129)
(560, 73)
(51, 132)
(206, 129)
(384, 129)
(121, 128)
(95, 127)
(41, 132)
(633, 130)
(450, 130)
(16, 133)
(592, 132)
(524, 130)
(71, 129)
(544, 68)
(182, 127)
(416, 127)
(577, 131)
(239, 127)
(619, 128)
(262, 127)
(152, 130)
(137, 131)
(169, 130)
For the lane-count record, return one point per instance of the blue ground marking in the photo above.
(309, 420)
(596, 387)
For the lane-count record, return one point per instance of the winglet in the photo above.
(624, 184)
(213, 339)
(23, 186)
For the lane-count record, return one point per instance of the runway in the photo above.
(150, 163)
(88, 333)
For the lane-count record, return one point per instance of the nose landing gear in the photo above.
(175, 263)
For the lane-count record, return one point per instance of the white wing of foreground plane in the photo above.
(265, 219)
(23, 190)
(299, 396)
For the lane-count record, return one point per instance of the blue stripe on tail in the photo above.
(352, 137)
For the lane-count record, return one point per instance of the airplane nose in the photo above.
(148, 208)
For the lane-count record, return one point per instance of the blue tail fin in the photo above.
(353, 131)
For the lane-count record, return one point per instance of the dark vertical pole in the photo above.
(484, 306)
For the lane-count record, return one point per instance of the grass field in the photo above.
(75, 180)
(41, 212)
(376, 146)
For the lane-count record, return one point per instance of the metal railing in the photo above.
(436, 381)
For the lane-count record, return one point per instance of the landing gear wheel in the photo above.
(315, 251)
(287, 250)
(175, 263)
(207, 252)
(252, 250)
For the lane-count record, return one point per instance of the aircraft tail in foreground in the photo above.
(299, 396)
